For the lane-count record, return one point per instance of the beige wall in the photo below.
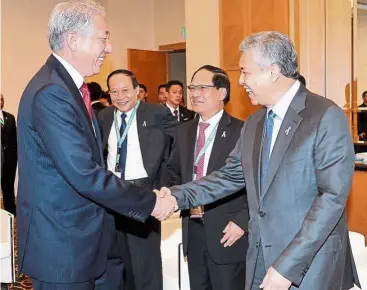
(325, 47)
(202, 42)
(361, 60)
(169, 18)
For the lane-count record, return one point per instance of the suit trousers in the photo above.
(204, 273)
(260, 271)
(7, 182)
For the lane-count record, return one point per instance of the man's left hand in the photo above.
(274, 281)
(232, 233)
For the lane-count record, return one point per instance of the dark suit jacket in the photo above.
(63, 229)
(97, 107)
(186, 114)
(362, 121)
(156, 131)
(300, 219)
(217, 214)
(9, 142)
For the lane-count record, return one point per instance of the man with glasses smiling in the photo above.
(136, 139)
(214, 236)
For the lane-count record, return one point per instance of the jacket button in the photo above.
(261, 213)
(257, 244)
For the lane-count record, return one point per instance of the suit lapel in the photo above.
(286, 132)
(220, 140)
(107, 125)
(190, 147)
(64, 75)
(257, 131)
(98, 137)
(143, 134)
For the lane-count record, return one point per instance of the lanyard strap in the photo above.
(2, 121)
(122, 138)
(206, 145)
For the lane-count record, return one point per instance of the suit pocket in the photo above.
(79, 215)
(295, 156)
(332, 244)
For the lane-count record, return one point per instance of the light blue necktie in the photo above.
(266, 145)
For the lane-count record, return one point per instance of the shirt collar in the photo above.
(75, 75)
(281, 107)
(214, 119)
(172, 109)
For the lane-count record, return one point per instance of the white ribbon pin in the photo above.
(224, 134)
(287, 131)
(144, 124)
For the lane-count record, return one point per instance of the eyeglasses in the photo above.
(116, 92)
(199, 88)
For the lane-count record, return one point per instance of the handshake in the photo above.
(165, 205)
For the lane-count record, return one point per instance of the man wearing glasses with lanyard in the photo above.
(137, 137)
(214, 236)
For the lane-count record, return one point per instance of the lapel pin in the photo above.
(144, 124)
(287, 131)
(224, 134)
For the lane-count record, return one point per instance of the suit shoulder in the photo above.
(236, 122)
(154, 107)
(105, 112)
(319, 104)
(8, 115)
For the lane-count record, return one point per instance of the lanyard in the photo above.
(2, 121)
(205, 147)
(122, 138)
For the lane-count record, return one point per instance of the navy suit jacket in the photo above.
(62, 226)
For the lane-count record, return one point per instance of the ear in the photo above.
(137, 90)
(275, 72)
(222, 93)
(72, 41)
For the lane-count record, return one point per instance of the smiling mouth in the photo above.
(123, 103)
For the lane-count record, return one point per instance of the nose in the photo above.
(242, 79)
(108, 48)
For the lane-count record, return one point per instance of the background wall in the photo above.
(361, 60)
(169, 18)
(202, 40)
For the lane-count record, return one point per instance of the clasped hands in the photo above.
(165, 205)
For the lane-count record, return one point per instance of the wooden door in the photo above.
(150, 69)
(238, 19)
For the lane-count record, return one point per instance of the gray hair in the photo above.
(273, 47)
(72, 15)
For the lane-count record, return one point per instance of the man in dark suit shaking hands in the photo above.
(64, 232)
(214, 236)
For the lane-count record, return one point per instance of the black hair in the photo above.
(161, 86)
(143, 87)
(173, 83)
(220, 79)
(95, 91)
(126, 73)
(364, 94)
(302, 80)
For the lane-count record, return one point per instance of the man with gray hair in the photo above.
(65, 235)
(295, 156)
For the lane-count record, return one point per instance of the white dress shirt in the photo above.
(172, 109)
(280, 109)
(213, 121)
(134, 161)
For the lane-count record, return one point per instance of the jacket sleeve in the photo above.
(57, 122)
(219, 184)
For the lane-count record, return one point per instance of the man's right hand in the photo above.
(165, 204)
(362, 136)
